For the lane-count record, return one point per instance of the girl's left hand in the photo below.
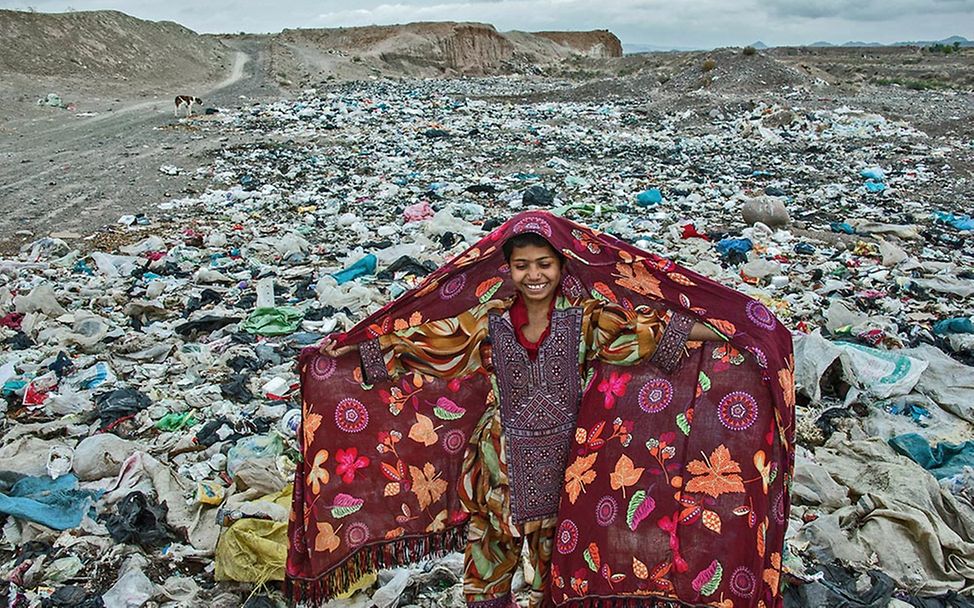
(330, 347)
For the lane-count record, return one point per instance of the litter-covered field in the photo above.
(151, 403)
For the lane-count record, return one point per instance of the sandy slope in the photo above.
(65, 172)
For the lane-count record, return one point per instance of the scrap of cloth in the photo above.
(675, 487)
(943, 460)
(56, 503)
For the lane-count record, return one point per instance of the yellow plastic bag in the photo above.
(254, 550)
(209, 493)
(366, 581)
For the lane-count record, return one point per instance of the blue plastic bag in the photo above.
(726, 246)
(649, 197)
(362, 267)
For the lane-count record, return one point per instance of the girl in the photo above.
(513, 471)
(551, 386)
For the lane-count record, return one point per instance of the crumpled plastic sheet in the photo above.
(879, 374)
(948, 382)
(942, 460)
(142, 472)
(137, 521)
(840, 589)
(918, 533)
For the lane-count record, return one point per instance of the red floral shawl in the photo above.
(677, 486)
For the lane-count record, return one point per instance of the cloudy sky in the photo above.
(671, 23)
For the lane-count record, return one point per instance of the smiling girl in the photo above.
(536, 346)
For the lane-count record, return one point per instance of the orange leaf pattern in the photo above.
(625, 474)
(712, 521)
(786, 378)
(773, 574)
(318, 476)
(439, 522)
(637, 278)
(578, 474)
(681, 279)
(716, 475)
(327, 538)
(725, 327)
(310, 425)
(427, 484)
(639, 569)
(423, 431)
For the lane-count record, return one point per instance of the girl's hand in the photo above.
(330, 347)
(700, 332)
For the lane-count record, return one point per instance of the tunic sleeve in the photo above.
(446, 348)
(623, 337)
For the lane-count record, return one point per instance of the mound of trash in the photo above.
(732, 71)
(151, 405)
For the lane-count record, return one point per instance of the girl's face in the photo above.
(536, 272)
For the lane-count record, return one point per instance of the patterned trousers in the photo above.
(492, 557)
(494, 544)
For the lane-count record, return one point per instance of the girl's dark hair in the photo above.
(527, 239)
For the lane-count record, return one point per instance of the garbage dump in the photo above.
(151, 405)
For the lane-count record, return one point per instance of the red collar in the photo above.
(519, 319)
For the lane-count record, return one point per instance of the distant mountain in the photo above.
(107, 46)
(946, 41)
(629, 48)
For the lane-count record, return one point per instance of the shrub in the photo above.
(923, 84)
(945, 49)
(749, 50)
(708, 65)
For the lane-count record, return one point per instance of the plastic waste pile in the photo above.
(151, 403)
(54, 100)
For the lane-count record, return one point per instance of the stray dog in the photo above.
(188, 101)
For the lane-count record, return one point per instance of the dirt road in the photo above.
(67, 172)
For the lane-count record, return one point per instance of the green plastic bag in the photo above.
(276, 321)
(174, 421)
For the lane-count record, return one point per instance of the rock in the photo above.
(768, 210)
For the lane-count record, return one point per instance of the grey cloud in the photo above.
(866, 10)
(698, 23)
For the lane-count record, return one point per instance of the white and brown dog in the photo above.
(188, 101)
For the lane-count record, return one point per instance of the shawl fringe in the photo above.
(647, 601)
(398, 552)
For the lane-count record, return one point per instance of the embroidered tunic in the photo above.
(525, 433)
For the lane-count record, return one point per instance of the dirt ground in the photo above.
(68, 172)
